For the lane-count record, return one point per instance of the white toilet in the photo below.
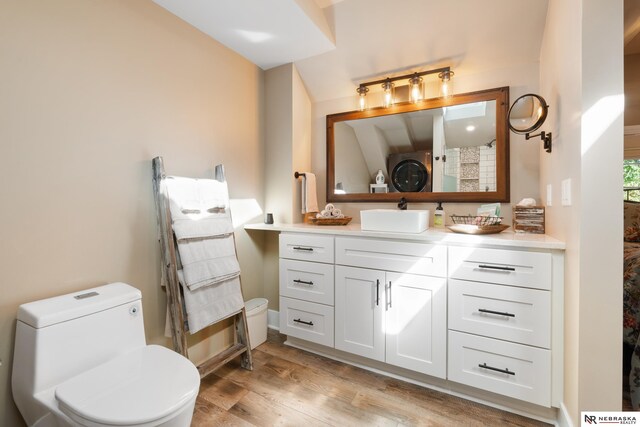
(82, 360)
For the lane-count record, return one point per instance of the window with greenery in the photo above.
(632, 179)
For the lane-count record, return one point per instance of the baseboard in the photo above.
(564, 420)
(273, 319)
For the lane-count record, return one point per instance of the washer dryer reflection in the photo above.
(410, 172)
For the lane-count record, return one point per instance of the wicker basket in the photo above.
(331, 221)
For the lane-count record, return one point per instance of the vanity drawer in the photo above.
(309, 281)
(514, 370)
(306, 320)
(506, 267)
(306, 247)
(389, 255)
(504, 312)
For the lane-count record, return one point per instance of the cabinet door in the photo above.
(415, 323)
(359, 310)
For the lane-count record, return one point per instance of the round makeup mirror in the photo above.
(527, 113)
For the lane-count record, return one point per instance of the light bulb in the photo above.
(416, 88)
(362, 97)
(446, 88)
(387, 97)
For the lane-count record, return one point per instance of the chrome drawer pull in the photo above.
(491, 368)
(496, 267)
(303, 322)
(501, 313)
(304, 282)
(300, 248)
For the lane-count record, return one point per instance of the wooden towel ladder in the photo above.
(241, 346)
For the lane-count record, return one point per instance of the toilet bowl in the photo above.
(82, 360)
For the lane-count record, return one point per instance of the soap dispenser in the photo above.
(438, 217)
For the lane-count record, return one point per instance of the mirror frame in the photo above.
(502, 193)
(537, 124)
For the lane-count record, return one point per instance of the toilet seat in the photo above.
(141, 388)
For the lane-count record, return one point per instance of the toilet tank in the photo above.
(58, 338)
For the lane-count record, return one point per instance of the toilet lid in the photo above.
(137, 387)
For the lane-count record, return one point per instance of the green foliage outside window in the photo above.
(631, 170)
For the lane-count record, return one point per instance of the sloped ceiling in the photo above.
(373, 38)
(266, 32)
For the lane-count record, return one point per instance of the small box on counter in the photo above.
(528, 219)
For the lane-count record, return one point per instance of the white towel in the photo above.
(309, 195)
(208, 261)
(204, 232)
(209, 304)
(214, 225)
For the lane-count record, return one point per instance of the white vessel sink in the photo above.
(394, 220)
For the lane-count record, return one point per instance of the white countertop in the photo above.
(506, 238)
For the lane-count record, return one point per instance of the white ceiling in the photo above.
(266, 32)
(373, 38)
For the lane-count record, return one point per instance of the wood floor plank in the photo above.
(260, 411)
(289, 386)
(221, 392)
(207, 415)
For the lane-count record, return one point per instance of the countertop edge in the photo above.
(504, 239)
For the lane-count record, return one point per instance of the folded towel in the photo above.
(309, 195)
(203, 229)
(208, 226)
(196, 199)
(207, 305)
(208, 261)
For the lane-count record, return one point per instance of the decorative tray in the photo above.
(331, 221)
(470, 224)
(477, 229)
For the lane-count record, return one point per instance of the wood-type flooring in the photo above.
(291, 387)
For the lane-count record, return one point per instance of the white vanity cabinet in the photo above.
(500, 321)
(450, 310)
(384, 313)
(306, 287)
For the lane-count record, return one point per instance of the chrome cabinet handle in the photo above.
(491, 368)
(389, 293)
(501, 313)
(496, 267)
(300, 248)
(377, 291)
(304, 282)
(310, 323)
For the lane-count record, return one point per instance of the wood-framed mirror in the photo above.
(453, 149)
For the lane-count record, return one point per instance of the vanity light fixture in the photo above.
(416, 87)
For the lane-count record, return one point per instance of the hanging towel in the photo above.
(210, 304)
(208, 261)
(309, 195)
(210, 272)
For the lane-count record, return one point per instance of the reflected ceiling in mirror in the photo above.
(445, 149)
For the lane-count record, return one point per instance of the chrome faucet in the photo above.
(402, 205)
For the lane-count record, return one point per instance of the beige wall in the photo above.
(90, 92)
(582, 77)
(287, 146)
(521, 78)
